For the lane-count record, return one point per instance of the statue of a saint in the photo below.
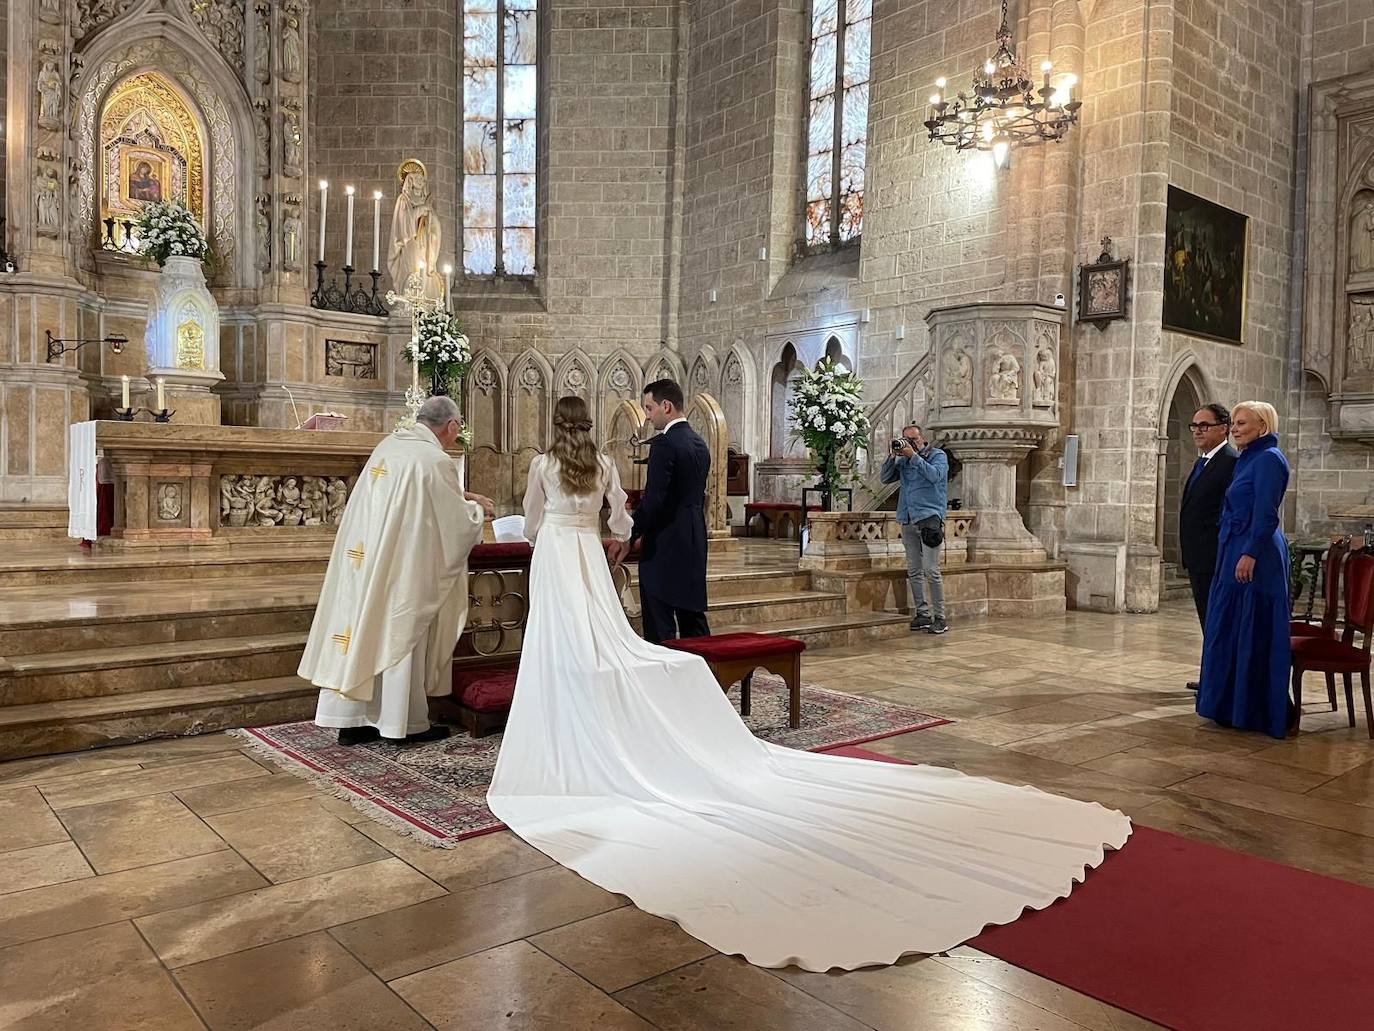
(415, 232)
(49, 95)
(1362, 239)
(48, 214)
(291, 56)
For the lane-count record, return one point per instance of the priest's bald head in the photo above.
(441, 416)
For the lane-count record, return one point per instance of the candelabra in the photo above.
(158, 414)
(355, 301)
(414, 298)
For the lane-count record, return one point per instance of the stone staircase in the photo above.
(102, 649)
(1173, 582)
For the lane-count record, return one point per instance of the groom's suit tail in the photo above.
(671, 519)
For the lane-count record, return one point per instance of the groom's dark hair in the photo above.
(665, 390)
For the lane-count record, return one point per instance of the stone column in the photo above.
(996, 398)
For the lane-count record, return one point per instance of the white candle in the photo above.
(376, 230)
(448, 287)
(324, 201)
(124, 392)
(348, 237)
(161, 398)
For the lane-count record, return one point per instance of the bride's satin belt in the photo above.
(576, 521)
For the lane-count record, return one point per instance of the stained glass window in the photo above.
(500, 66)
(837, 121)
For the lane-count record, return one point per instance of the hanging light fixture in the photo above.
(1005, 109)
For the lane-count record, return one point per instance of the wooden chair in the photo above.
(1331, 604)
(1332, 655)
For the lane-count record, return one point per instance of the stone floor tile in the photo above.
(295, 839)
(200, 932)
(724, 993)
(1333, 813)
(42, 865)
(309, 983)
(1133, 767)
(71, 906)
(1356, 787)
(403, 941)
(102, 979)
(51, 767)
(138, 832)
(514, 987)
(623, 947)
(26, 820)
(249, 793)
(473, 862)
(111, 786)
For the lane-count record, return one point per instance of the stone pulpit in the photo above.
(996, 397)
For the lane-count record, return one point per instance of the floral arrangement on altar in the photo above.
(167, 229)
(442, 350)
(828, 414)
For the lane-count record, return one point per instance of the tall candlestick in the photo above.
(448, 287)
(124, 393)
(161, 398)
(348, 236)
(376, 230)
(415, 364)
(324, 202)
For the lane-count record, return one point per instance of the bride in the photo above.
(625, 762)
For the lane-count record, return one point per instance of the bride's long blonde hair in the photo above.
(579, 468)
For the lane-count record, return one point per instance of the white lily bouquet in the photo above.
(442, 350)
(167, 229)
(828, 414)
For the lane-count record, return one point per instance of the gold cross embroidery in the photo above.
(378, 470)
(343, 639)
(357, 554)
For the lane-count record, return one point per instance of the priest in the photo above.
(395, 595)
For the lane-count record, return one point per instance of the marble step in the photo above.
(827, 631)
(772, 606)
(65, 563)
(32, 523)
(44, 619)
(132, 669)
(66, 726)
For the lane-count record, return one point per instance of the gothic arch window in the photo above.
(837, 122)
(500, 108)
(152, 148)
(834, 352)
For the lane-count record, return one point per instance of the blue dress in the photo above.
(1246, 651)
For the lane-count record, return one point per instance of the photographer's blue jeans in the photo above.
(922, 569)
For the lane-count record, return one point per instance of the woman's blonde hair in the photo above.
(1261, 410)
(579, 465)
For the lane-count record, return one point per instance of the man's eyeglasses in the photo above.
(1204, 425)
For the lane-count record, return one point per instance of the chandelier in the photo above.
(1005, 108)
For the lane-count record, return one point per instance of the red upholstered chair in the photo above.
(734, 657)
(1332, 655)
(1331, 604)
(481, 697)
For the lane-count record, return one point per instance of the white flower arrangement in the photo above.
(443, 352)
(828, 414)
(167, 229)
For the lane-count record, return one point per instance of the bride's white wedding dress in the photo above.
(625, 762)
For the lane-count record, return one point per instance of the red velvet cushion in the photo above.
(1299, 629)
(503, 555)
(485, 690)
(1327, 653)
(725, 647)
(772, 506)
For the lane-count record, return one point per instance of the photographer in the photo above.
(923, 472)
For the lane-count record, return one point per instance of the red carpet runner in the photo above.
(1200, 938)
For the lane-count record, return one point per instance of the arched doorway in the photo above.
(1176, 462)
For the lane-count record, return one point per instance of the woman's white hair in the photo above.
(1261, 410)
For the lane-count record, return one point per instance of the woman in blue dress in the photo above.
(1245, 651)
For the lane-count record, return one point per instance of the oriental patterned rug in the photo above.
(438, 792)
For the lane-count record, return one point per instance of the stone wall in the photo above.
(4, 81)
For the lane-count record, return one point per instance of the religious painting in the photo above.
(190, 345)
(143, 175)
(1102, 287)
(1204, 268)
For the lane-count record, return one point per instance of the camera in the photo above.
(898, 443)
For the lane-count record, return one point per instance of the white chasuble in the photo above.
(397, 575)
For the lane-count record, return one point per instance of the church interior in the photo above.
(1048, 233)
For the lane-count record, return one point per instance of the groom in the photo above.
(671, 519)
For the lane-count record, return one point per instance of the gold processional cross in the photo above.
(414, 298)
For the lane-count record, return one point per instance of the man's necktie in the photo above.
(1198, 466)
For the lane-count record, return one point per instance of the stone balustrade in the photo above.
(855, 541)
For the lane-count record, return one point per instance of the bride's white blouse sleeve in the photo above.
(620, 522)
(534, 499)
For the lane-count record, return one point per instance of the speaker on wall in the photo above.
(1070, 460)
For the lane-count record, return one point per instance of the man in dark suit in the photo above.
(671, 519)
(1203, 495)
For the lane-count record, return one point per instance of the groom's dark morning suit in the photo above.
(671, 519)
(1198, 516)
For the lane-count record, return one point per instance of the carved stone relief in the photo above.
(484, 377)
(249, 499)
(50, 11)
(48, 207)
(262, 42)
(262, 226)
(49, 86)
(291, 138)
(1004, 378)
(91, 14)
(1362, 235)
(1360, 336)
(1045, 375)
(350, 359)
(292, 56)
(958, 377)
(222, 23)
(291, 241)
(262, 136)
(169, 502)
